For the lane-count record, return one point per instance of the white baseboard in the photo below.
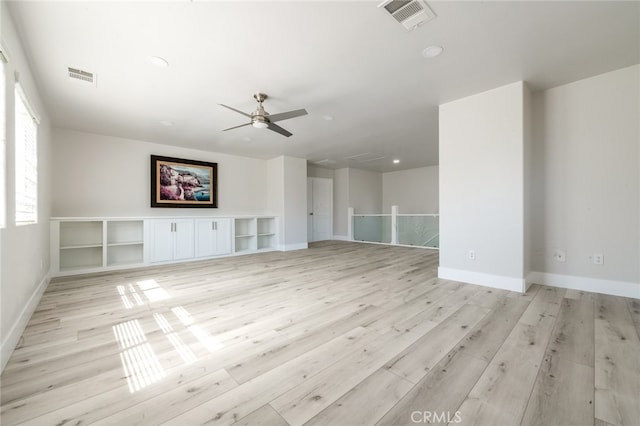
(341, 238)
(479, 278)
(288, 247)
(593, 285)
(13, 337)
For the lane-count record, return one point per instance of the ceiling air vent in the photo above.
(365, 157)
(82, 76)
(410, 13)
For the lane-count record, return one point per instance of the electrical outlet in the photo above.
(472, 255)
(559, 255)
(598, 259)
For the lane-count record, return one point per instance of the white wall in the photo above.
(319, 172)
(341, 203)
(529, 195)
(365, 191)
(482, 188)
(295, 203)
(24, 261)
(275, 193)
(587, 180)
(287, 198)
(96, 175)
(413, 190)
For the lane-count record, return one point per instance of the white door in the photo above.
(320, 209)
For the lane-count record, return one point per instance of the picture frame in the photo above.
(177, 182)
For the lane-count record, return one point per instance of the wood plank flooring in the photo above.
(340, 334)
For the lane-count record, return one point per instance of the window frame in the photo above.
(26, 159)
(3, 137)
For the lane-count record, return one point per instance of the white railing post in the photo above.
(350, 224)
(394, 224)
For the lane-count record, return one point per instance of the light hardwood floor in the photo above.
(339, 334)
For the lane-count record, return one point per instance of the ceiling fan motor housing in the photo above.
(260, 115)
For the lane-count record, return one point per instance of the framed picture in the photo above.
(176, 182)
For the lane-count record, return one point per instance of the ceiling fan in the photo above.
(261, 119)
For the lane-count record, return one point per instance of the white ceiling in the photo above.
(345, 59)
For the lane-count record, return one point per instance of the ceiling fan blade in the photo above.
(286, 115)
(278, 129)
(235, 127)
(236, 110)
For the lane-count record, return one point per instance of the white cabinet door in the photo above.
(205, 237)
(171, 239)
(184, 244)
(213, 237)
(161, 240)
(223, 236)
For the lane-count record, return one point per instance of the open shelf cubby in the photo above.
(125, 242)
(266, 232)
(244, 234)
(125, 254)
(74, 258)
(125, 232)
(80, 234)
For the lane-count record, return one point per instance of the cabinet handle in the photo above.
(216, 227)
(213, 226)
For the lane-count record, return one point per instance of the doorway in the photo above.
(319, 209)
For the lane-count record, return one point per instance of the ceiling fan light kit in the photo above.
(261, 119)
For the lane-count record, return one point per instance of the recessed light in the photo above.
(396, 161)
(166, 123)
(246, 138)
(432, 51)
(158, 61)
(327, 117)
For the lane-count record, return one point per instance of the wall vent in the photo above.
(410, 13)
(82, 76)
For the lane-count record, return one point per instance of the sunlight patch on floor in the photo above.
(140, 363)
(211, 343)
(183, 349)
(152, 290)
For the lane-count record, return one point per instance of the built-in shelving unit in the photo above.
(86, 245)
(254, 233)
(89, 245)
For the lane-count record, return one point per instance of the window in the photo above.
(26, 148)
